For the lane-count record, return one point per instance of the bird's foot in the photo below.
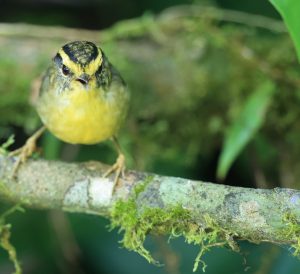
(25, 151)
(118, 167)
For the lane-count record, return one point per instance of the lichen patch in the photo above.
(251, 210)
(100, 191)
(76, 195)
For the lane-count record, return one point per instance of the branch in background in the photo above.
(233, 16)
(170, 14)
(239, 213)
(45, 32)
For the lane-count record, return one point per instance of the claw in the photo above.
(25, 151)
(118, 166)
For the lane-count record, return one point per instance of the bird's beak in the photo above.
(83, 79)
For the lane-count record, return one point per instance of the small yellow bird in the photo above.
(82, 99)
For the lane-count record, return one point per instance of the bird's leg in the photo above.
(119, 165)
(26, 151)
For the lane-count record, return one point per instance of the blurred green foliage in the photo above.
(192, 77)
(289, 9)
(245, 126)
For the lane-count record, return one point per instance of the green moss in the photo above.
(4, 146)
(125, 216)
(136, 223)
(208, 235)
(5, 192)
(140, 187)
(292, 231)
(5, 234)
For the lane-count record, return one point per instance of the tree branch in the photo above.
(252, 214)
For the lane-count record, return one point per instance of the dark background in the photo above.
(94, 14)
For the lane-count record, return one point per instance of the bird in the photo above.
(82, 100)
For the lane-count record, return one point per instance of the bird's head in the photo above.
(81, 65)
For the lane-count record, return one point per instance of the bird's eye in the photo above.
(65, 70)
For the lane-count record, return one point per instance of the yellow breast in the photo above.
(83, 117)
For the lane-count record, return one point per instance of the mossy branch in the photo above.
(239, 213)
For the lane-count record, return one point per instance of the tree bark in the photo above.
(252, 214)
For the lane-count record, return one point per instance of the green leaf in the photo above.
(245, 126)
(290, 10)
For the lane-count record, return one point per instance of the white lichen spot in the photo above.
(295, 200)
(77, 195)
(250, 210)
(100, 191)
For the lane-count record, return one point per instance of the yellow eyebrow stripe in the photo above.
(92, 67)
(69, 63)
(76, 68)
